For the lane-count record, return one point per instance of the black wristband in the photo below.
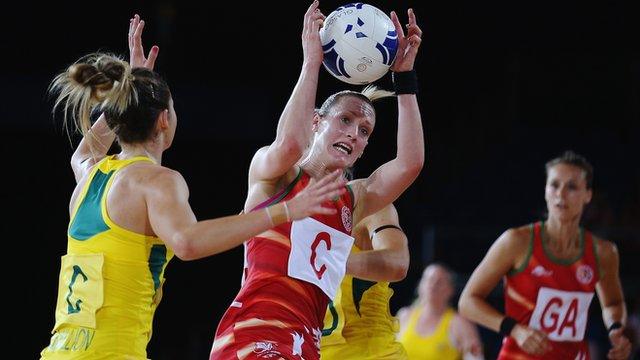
(615, 325)
(507, 324)
(405, 82)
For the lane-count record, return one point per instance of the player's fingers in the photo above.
(414, 29)
(311, 8)
(396, 24)
(535, 344)
(325, 210)
(317, 24)
(330, 195)
(137, 39)
(151, 59)
(412, 16)
(621, 350)
(329, 178)
(414, 41)
(130, 33)
(318, 15)
(328, 187)
(134, 25)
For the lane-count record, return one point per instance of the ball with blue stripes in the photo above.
(359, 42)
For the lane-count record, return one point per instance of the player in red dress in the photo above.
(294, 269)
(551, 269)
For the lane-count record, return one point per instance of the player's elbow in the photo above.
(412, 169)
(399, 272)
(398, 269)
(464, 306)
(183, 246)
(419, 161)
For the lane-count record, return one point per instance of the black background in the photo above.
(505, 86)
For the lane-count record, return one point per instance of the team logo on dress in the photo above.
(296, 347)
(346, 218)
(584, 274)
(266, 349)
(541, 271)
(317, 334)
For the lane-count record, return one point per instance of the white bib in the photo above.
(561, 314)
(318, 254)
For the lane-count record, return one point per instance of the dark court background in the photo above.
(505, 86)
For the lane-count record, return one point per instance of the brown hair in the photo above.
(131, 98)
(571, 158)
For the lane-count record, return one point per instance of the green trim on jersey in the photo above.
(524, 264)
(559, 261)
(595, 254)
(88, 220)
(353, 197)
(334, 325)
(157, 259)
(287, 190)
(358, 287)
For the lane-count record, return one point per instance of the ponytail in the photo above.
(95, 80)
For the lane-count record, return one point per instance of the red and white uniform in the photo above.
(291, 273)
(553, 296)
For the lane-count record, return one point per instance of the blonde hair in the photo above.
(130, 98)
(373, 93)
(369, 94)
(97, 79)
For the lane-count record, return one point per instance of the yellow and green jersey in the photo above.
(110, 280)
(358, 323)
(436, 346)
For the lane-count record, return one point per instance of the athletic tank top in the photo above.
(435, 346)
(360, 310)
(295, 268)
(552, 295)
(110, 280)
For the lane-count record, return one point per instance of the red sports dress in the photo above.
(552, 295)
(291, 273)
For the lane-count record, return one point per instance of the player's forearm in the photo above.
(94, 145)
(210, 237)
(410, 149)
(478, 310)
(296, 120)
(616, 312)
(391, 179)
(379, 265)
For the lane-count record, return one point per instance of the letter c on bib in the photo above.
(323, 236)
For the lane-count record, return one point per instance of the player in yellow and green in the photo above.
(358, 323)
(129, 214)
(430, 329)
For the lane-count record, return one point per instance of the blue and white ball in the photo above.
(359, 43)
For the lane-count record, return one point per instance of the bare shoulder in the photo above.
(156, 177)
(605, 247)
(385, 216)
(607, 252)
(517, 238)
(388, 213)
(357, 187)
(263, 189)
(513, 246)
(259, 153)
